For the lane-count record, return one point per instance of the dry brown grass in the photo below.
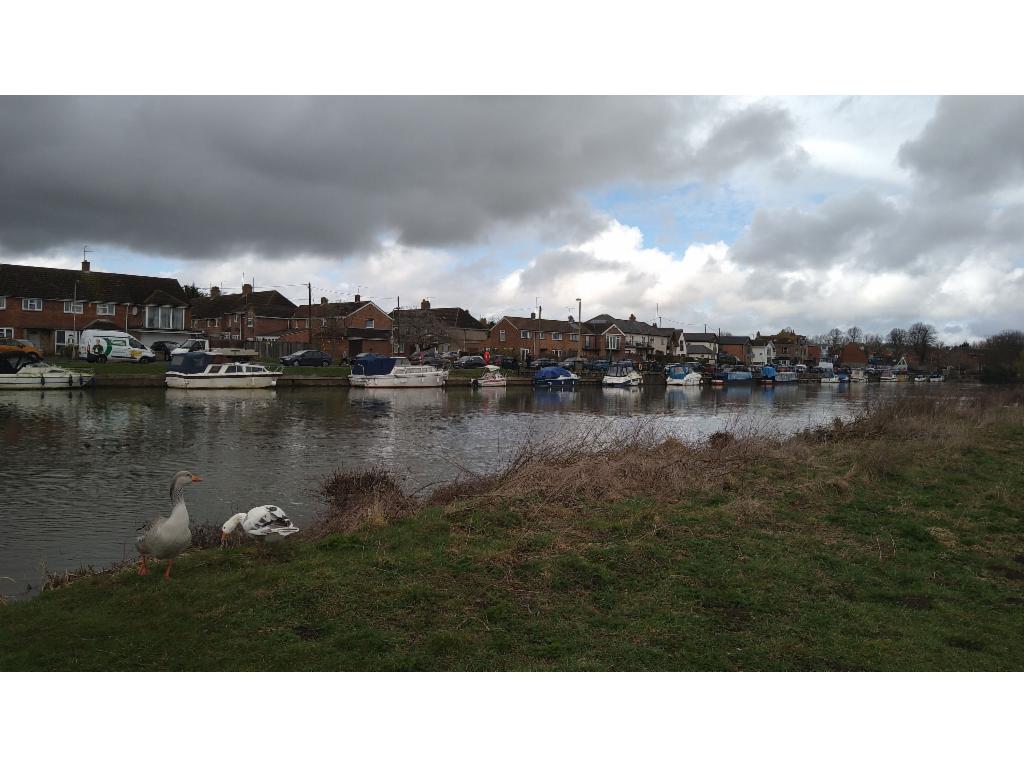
(558, 476)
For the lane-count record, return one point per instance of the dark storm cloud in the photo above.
(973, 144)
(200, 177)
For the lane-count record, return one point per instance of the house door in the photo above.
(355, 347)
(39, 339)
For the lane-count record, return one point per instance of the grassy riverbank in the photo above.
(893, 543)
(159, 368)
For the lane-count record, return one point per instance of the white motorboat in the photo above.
(621, 375)
(936, 379)
(219, 369)
(492, 378)
(43, 376)
(681, 374)
(830, 379)
(919, 379)
(555, 377)
(381, 371)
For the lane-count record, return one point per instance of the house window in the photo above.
(501, 335)
(524, 334)
(556, 336)
(105, 309)
(574, 337)
(368, 323)
(74, 307)
(168, 318)
(613, 342)
(249, 320)
(3, 302)
(588, 342)
(34, 305)
(6, 333)
(323, 322)
(540, 334)
(65, 337)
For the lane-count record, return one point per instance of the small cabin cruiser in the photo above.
(16, 372)
(218, 369)
(622, 375)
(383, 371)
(555, 377)
(492, 378)
(683, 374)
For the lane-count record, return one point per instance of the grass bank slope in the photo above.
(895, 542)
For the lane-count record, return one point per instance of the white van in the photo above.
(100, 346)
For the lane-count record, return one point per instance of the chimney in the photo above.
(357, 298)
(85, 265)
(247, 289)
(214, 291)
(632, 316)
(424, 304)
(323, 299)
(533, 315)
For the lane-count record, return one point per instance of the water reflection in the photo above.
(81, 470)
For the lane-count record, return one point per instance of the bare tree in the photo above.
(835, 340)
(873, 343)
(921, 337)
(419, 327)
(854, 334)
(898, 340)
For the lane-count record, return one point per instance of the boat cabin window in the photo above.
(233, 369)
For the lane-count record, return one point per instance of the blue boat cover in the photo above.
(551, 372)
(190, 362)
(768, 372)
(378, 365)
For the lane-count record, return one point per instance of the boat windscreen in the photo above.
(373, 366)
(189, 362)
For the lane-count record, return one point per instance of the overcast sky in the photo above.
(745, 214)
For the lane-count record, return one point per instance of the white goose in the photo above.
(168, 537)
(265, 523)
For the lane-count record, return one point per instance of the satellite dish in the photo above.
(135, 310)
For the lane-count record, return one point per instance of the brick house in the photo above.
(631, 338)
(789, 346)
(233, 319)
(447, 329)
(343, 329)
(51, 307)
(852, 354)
(532, 337)
(737, 346)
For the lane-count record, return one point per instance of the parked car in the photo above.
(469, 361)
(23, 346)
(571, 362)
(312, 357)
(507, 363)
(163, 348)
(544, 362)
(596, 365)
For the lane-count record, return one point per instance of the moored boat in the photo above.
(382, 371)
(682, 374)
(555, 377)
(622, 375)
(218, 369)
(730, 375)
(41, 376)
(492, 378)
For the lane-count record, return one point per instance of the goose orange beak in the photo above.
(196, 479)
(223, 538)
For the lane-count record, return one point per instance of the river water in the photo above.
(81, 471)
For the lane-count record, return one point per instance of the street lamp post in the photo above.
(579, 334)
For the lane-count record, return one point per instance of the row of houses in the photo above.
(50, 307)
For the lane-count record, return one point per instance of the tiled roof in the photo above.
(265, 303)
(453, 317)
(703, 337)
(64, 284)
(564, 326)
(733, 339)
(331, 309)
(698, 349)
(633, 327)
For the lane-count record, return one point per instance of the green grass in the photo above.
(914, 560)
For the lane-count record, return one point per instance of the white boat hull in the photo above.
(392, 380)
(51, 378)
(222, 381)
(631, 380)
